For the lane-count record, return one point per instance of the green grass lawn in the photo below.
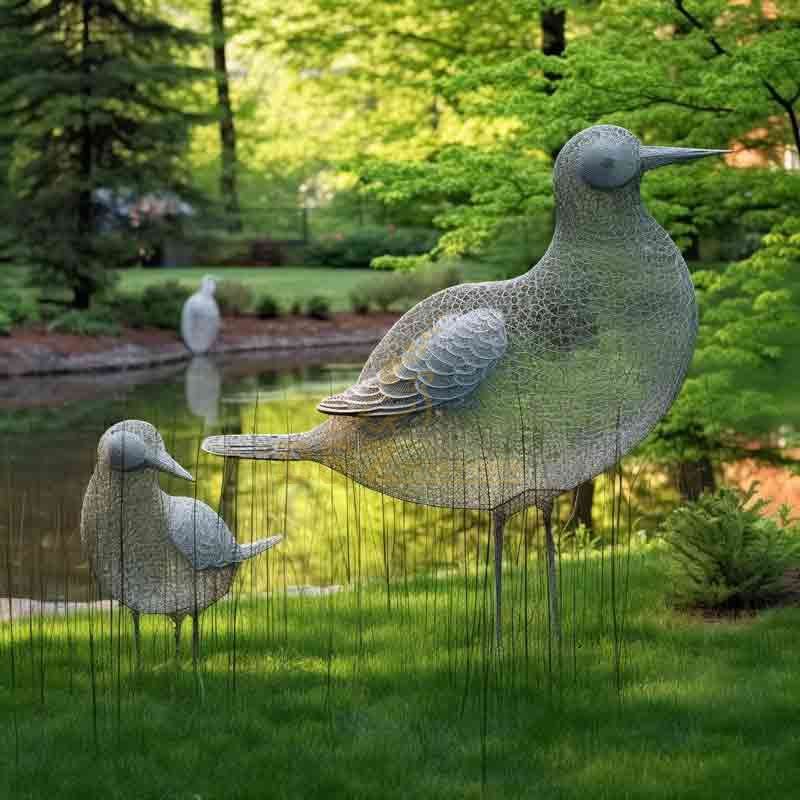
(285, 284)
(401, 695)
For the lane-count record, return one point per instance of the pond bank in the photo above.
(22, 607)
(36, 352)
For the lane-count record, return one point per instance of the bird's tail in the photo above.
(245, 551)
(264, 447)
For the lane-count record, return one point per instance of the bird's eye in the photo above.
(607, 164)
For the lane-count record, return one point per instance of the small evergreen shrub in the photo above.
(268, 307)
(234, 298)
(296, 308)
(400, 290)
(359, 301)
(94, 322)
(318, 307)
(5, 323)
(725, 554)
(18, 308)
(158, 306)
(392, 288)
(358, 248)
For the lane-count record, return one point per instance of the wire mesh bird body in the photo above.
(200, 318)
(505, 394)
(154, 553)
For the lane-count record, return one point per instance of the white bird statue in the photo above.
(200, 318)
(505, 394)
(154, 553)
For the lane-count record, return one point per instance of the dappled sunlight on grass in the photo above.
(346, 695)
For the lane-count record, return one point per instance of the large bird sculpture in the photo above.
(505, 394)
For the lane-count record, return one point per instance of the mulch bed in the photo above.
(34, 351)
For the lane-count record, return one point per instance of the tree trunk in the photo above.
(582, 502)
(695, 477)
(84, 287)
(553, 22)
(82, 295)
(227, 130)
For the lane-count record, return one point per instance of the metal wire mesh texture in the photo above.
(505, 394)
(154, 553)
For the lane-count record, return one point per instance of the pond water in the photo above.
(49, 429)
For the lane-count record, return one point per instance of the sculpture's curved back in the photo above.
(600, 335)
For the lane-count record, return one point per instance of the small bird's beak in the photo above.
(164, 462)
(653, 157)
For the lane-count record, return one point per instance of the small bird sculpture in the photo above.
(200, 318)
(505, 394)
(154, 553)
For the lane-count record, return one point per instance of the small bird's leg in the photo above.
(552, 577)
(178, 620)
(195, 636)
(499, 519)
(137, 640)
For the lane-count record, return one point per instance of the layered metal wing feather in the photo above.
(444, 364)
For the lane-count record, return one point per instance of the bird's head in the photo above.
(600, 169)
(209, 285)
(134, 446)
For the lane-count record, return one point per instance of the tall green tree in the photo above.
(229, 191)
(97, 97)
(704, 73)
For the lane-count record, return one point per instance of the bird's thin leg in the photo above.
(499, 524)
(195, 637)
(137, 640)
(178, 620)
(552, 577)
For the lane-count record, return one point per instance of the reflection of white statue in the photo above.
(154, 553)
(200, 318)
(203, 385)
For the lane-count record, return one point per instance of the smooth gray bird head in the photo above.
(599, 170)
(209, 285)
(133, 446)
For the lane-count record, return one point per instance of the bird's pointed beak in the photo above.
(654, 157)
(164, 462)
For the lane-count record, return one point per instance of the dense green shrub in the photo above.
(158, 306)
(400, 290)
(359, 300)
(94, 322)
(18, 308)
(359, 247)
(268, 307)
(234, 298)
(318, 307)
(725, 554)
(5, 323)
(296, 308)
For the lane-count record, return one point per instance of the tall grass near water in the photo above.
(359, 657)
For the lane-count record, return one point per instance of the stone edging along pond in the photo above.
(52, 354)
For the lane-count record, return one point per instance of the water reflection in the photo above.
(203, 388)
(47, 449)
(336, 532)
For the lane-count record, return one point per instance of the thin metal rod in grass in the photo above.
(12, 655)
